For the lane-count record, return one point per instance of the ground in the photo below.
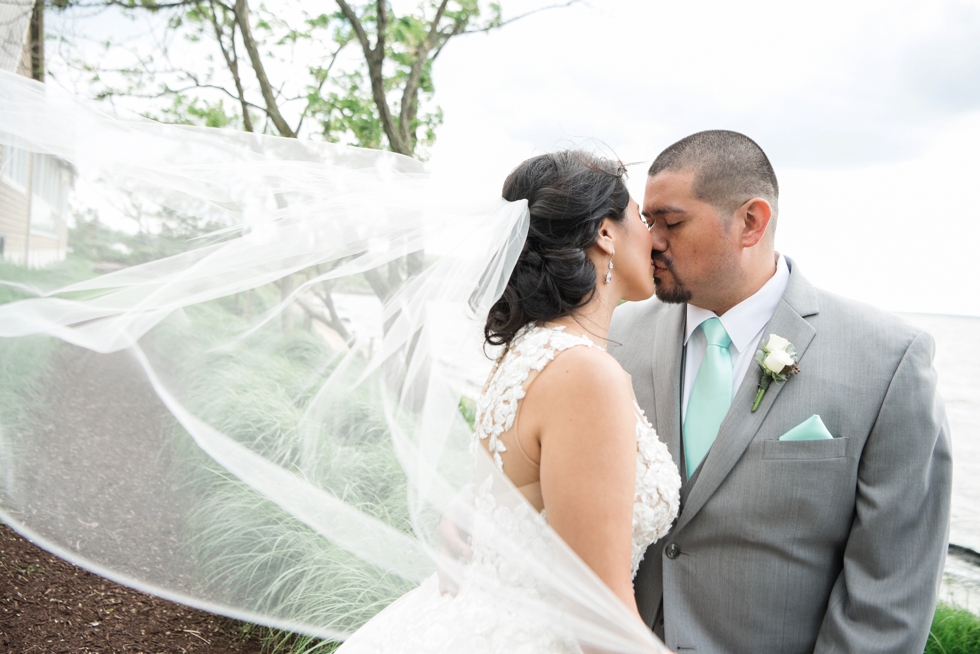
(48, 605)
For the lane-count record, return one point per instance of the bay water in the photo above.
(958, 366)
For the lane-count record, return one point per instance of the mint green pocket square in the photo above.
(811, 429)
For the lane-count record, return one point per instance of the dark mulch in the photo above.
(49, 605)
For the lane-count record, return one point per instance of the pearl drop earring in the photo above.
(609, 272)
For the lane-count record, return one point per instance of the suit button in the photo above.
(673, 551)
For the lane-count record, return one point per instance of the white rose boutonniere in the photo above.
(778, 362)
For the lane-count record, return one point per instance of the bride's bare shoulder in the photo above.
(581, 381)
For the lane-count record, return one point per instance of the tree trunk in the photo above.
(37, 41)
(268, 94)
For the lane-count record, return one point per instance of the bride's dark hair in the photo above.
(568, 193)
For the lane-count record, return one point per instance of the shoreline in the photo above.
(961, 579)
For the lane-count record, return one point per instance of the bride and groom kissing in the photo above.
(795, 494)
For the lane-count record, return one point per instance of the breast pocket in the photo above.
(835, 448)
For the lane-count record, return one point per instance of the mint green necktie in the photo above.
(711, 396)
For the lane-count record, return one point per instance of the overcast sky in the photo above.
(869, 111)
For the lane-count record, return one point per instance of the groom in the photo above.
(817, 522)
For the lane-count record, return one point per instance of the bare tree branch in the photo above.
(168, 91)
(272, 107)
(333, 321)
(129, 4)
(324, 75)
(231, 59)
(355, 22)
(377, 283)
(487, 28)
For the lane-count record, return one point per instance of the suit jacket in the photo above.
(830, 545)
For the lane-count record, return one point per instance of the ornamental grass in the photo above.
(954, 631)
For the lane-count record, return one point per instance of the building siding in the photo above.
(15, 18)
(48, 239)
(40, 249)
(13, 222)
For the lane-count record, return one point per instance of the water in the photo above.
(958, 365)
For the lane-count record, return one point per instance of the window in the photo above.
(13, 167)
(47, 189)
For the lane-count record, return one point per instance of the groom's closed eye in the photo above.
(652, 221)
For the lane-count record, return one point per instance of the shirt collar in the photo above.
(747, 318)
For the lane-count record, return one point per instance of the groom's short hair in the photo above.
(729, 168)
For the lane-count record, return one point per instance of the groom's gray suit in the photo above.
(800, 546)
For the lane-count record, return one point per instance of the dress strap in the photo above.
(520, 448)
(532, 493)
(531, 349)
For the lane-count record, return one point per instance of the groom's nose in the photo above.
(659, 242)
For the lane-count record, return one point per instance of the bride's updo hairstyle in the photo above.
(568, 194)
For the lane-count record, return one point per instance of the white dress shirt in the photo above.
(744, 323)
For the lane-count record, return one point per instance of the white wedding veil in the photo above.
(269, 420)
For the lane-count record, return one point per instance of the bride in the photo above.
(227, 455)
(557, 413)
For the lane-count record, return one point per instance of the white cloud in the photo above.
(820, 85)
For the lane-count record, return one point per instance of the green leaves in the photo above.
(348, 114)
(294, 75)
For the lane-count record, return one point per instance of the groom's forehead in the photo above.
(668, 188)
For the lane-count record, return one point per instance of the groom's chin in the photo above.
(671, 294)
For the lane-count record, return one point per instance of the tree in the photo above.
(366, 80)
(211, 51)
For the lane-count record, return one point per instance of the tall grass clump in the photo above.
(249, 551)
(954, 631)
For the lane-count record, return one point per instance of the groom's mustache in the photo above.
(661, 260)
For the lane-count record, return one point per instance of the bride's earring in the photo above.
(609, 272)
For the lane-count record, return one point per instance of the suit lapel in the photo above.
(741, 424)
(668, 343)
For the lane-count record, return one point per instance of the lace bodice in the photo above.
(657, 479)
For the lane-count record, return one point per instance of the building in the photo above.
(34, 187)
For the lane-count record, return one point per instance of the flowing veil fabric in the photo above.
(270, 422)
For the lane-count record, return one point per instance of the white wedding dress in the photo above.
(479, 619)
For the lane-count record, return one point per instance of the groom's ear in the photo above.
(754, 217)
